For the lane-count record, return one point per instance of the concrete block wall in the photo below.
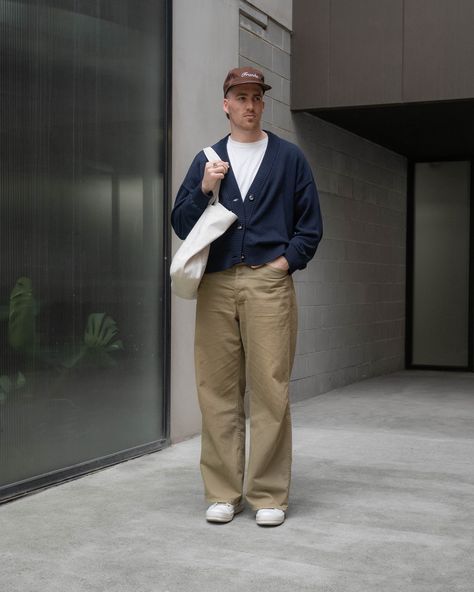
(352, 295)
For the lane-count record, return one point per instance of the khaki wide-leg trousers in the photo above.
(246, 323)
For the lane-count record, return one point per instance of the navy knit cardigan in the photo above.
(280, 215)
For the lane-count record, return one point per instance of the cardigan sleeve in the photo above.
(190, 201)
(307, 226)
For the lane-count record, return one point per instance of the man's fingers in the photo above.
(217, 166)
(213, 172)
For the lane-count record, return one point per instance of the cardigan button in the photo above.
(239, 227)
(242, 257)
(251, 197)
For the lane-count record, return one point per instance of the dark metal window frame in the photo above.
(35, 484)
(410, 271)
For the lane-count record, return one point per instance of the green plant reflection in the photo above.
(21, 317)
(100, 341)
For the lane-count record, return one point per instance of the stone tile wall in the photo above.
(352, 295)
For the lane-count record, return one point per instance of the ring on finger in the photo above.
(214, 164)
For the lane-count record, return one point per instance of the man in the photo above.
(246, 317)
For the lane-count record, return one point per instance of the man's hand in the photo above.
(213, 172)
(279, 263)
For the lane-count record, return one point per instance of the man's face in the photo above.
(244, 105)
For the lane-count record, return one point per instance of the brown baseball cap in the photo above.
(245, 75)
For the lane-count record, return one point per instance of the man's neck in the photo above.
(244, 136)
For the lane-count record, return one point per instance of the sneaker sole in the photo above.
(270, 522)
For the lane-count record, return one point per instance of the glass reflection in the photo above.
(81, 215)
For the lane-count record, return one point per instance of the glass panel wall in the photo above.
(81, 231)
(441, 264)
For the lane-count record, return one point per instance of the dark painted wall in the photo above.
(378, 52)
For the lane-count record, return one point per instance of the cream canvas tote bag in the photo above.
(189, 262)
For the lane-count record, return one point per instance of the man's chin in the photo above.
(251, 123)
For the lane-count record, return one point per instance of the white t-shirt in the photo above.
(245, 159)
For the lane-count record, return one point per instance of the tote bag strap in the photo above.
(212, 155)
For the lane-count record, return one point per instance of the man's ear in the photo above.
(225, 106)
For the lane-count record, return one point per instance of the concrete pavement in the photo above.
(382, 501)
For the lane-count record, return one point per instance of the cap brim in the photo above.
(262, 84)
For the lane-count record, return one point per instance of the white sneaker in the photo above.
(222, 512)
(270, 517)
